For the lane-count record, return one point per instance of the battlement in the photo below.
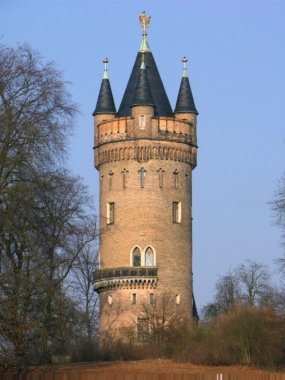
(126, 128)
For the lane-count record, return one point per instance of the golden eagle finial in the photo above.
(144, 21)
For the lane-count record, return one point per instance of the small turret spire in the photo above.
(105, 103)
(105, 75)
(185, 73)
(185, 102)
(144, 21)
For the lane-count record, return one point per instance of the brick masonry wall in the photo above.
(143, 217)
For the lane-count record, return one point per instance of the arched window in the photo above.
(136, 257)
(149, 257)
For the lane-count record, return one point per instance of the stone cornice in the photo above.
(154, 150)
(125, 278)
(125, 283)
(171, 138)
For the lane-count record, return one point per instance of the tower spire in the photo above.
(159, 96)
(185, 102)
(105, 103)
(142, 93)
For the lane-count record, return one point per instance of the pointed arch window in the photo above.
(137, 257)
(149, 257)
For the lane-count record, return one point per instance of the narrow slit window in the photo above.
(134, 298)
(176, 212)
(142, 121)
(110, 212)
(177, 299)
(151, 298)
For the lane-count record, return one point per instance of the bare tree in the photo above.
(36, 115)
(161, 324)
(254, 281)
(44, 221)
(249, 283)
(81, 284)
(278, 209)
(228, 293)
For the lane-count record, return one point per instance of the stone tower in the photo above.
(145, 154)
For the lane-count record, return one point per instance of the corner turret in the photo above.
(185, 106)
(105, 108)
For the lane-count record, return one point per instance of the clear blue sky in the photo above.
(236, 51)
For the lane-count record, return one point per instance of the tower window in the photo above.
(110, 179)
(136, 257)
(187, 176)
(142, 120)
(110, 212)
(110, 300)
(176, 175)
(134, 298)
(151, 298)
(177, 299)
(149, 257)
(176, 212)
(160, 172)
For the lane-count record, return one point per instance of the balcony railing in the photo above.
(125, 272)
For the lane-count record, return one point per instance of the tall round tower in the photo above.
(145, 155)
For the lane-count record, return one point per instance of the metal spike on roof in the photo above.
(185, 101)
(105, 75)
(185, 72)
(105, 103)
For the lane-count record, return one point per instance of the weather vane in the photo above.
(144, 21)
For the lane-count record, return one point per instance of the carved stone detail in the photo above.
(136, 283)
(144, 153)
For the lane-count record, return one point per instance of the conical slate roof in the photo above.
(185, 101)
(194, 308)
(156, 88)
(142, 94)
(105, 102)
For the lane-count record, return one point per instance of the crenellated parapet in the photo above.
(165, 139)
(125, 127)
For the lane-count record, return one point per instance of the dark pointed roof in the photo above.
(105, 102)
(156, 88)
(185, 101)
(194, 308)
(142, 94)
